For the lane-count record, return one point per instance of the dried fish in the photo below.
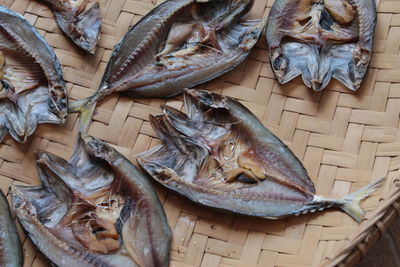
(32, 89)
(320, 40)
(79, 21)
(180, 43)
(10, 246)
(96, 209)
(220, 155)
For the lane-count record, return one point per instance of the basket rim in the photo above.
(368, 234)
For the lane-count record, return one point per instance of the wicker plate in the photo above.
(345, 140)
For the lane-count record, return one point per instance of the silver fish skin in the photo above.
(220, 155)
(10, 245)
(79, 22)
(179, 44)
(32, 89)
(321, 40)
(96, 209)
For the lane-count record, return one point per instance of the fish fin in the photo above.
(180, 121)
(352, 205)
(169, 135)
(86, 109)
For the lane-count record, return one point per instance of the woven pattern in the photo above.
(344, 139)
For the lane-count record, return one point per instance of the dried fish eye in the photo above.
(179, 44)
(321, 40)
(32, 89)
(96, 209)
(233, 162)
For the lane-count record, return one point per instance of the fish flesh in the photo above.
(320, 40)
(32, 89)
(179, 44)
(96, 209)
(220, 155)
(10, 246)
(79, 20)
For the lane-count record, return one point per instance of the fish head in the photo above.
(97, 148)
(21, 204)
(79, 22)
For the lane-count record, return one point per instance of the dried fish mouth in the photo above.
(96, 209)
(321, 39)
(32, 89)
(179, 44)
(220, 155)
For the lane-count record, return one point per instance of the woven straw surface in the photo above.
(345, 140)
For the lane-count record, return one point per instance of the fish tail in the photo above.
(86, 109)
(350, 204)
(352, 201)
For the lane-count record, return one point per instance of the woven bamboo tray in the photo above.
(345, 140)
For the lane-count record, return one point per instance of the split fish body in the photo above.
(220, 155)
(32, 89)
(179, 44)
(320, 40)
(96, 209)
